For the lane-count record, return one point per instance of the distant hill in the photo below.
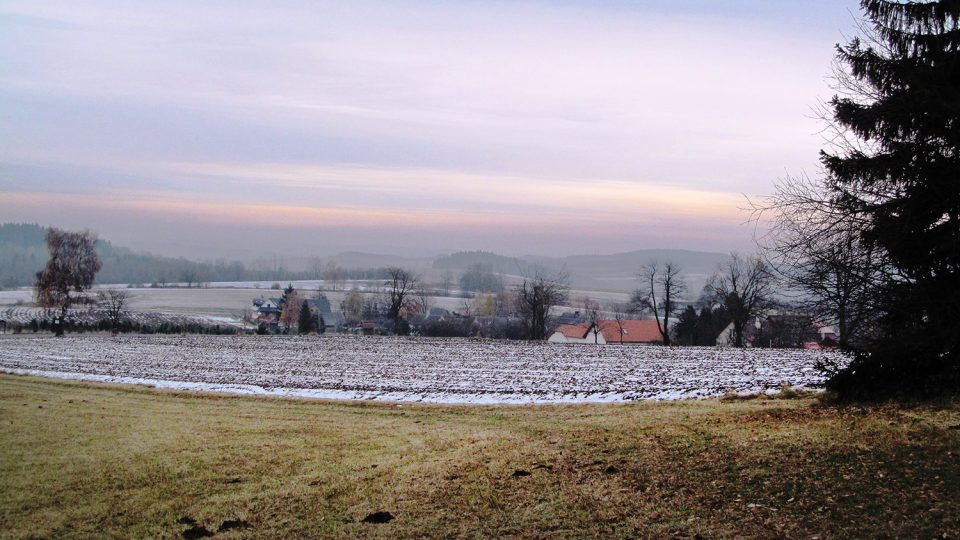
(463, 260)
(691, 261)
(619, 271)
(616, 272)
(356, 259)
(23, 253)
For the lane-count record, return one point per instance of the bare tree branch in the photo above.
(536, 296)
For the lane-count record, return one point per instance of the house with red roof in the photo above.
(577, 333)
(631, 332)
(625, 332)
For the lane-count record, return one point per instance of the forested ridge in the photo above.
(23, 252)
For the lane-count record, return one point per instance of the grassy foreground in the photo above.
(82, 460)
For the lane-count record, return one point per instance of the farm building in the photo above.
(265, 309)
(631, 332)
(828, 334)
(577, 333)
(626, 332)
(782, 330)
(372, 328)
(332, 320)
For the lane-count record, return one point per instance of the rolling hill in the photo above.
(23, 253)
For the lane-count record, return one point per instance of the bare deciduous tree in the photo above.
(353, 305)
(535, 296)
(316, 267)
(481, 278)
(333, 275)
(621, 312)
(591, 312)
(661, 286)
(291, 309)
(484, 305)
(506, 303)
(70, 271)
(742, 285)
(190, 276)
(401, 290)
(114, 303)
(423, 301)
(821, 256)
(446, 281)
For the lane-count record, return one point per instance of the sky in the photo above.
(245, 128)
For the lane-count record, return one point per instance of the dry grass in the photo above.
(82, 460)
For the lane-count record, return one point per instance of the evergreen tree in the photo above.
(686, 327)
(710, 322)
(705, 328)
(286, 294)
(897, 170)
(307, 322)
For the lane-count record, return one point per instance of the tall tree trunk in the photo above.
(666, 315)
(738, 335)
(58, 331)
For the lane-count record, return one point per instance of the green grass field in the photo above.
(87, 460)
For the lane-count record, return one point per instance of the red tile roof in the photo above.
(634, 331)
(578, 331)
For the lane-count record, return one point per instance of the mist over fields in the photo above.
(23, 253)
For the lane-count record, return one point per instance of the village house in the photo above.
(631, 332)
(625, 332)
(782, 330)
(265, 310)
(577, 333)
(320, 307)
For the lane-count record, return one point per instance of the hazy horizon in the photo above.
(416, 127)
(387, 251)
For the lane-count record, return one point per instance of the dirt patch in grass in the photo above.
(378, 517)
(196, 531)
(101, 461)
(232, 524)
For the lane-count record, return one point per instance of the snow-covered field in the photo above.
(230, 300)
(22, 315)
(411, 369)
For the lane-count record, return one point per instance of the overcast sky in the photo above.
(240, 128)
